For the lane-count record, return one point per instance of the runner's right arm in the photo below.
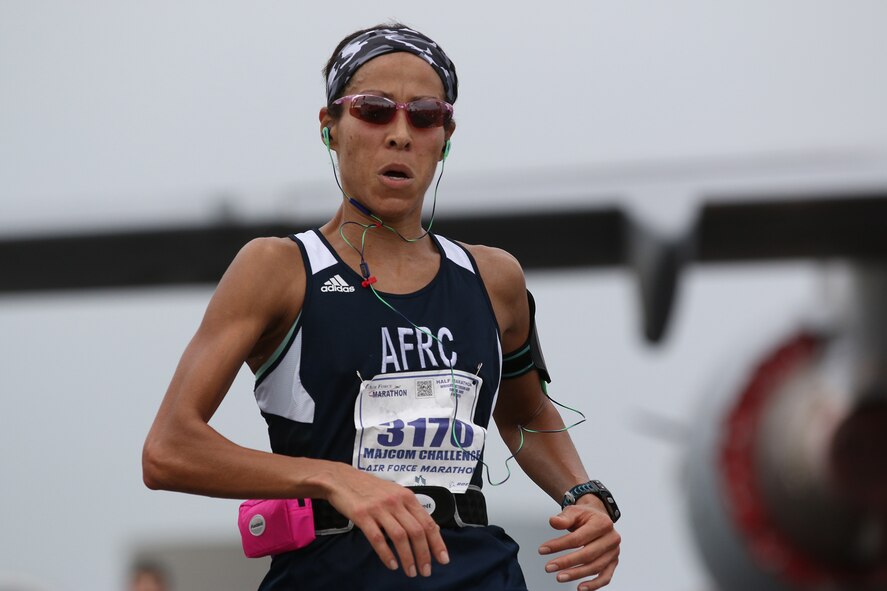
(261, 291)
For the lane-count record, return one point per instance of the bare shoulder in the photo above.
(270, 251)
(258, 298)
(505, 282)
(268, 260)
(266, 277)
(499, 269)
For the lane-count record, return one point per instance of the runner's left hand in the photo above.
(592, 544)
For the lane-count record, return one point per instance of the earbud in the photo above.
(326, 137)
(446, 150)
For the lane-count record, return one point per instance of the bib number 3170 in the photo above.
(439, 429)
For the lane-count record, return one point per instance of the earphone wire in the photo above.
(485, 468)
(379, 223)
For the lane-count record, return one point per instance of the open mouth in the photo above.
(397, 172)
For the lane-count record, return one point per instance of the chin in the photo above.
(397, 207)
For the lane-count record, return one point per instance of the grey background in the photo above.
(128, 113)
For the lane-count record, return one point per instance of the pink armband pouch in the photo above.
(274, 526)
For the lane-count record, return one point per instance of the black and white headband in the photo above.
(378, 42)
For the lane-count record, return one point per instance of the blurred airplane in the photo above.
(786, 476)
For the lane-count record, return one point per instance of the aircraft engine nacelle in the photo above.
(787, 473)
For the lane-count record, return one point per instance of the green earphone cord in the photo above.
(381, 224)
(521, 428)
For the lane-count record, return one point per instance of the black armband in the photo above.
(529, 355)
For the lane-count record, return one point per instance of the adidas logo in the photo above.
(336, 283)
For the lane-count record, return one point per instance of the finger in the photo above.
(601, 580)
(565, 521)
(439, 548)
(590, 531)
(587, 553)
(401, 541)
(589, 569)
(420, 527)
(379, 543)
(572, 518)
(580, 557)
(434, 543)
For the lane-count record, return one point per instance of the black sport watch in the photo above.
(596, 488)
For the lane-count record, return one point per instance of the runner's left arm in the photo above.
(590, 541)
(591, 544)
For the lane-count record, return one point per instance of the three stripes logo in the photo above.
(336, 283)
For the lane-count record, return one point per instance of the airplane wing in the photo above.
(727, 228)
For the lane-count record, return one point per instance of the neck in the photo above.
(394, 237)
(398, 265)
(354, 217)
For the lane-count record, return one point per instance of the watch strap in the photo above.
(596, 488)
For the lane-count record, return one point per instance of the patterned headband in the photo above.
(378, 42)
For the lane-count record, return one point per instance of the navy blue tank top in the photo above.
(307, 389)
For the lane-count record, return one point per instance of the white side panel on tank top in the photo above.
(281, 393)
(319, 256)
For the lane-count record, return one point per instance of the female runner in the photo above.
(378, 353)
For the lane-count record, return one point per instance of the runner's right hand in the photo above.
(384, 510)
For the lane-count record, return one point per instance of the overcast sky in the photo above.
(138, 111)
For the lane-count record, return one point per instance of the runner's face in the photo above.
(389, 167)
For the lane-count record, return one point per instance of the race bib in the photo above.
(416, 429)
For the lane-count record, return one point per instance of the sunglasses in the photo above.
(421, 113)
